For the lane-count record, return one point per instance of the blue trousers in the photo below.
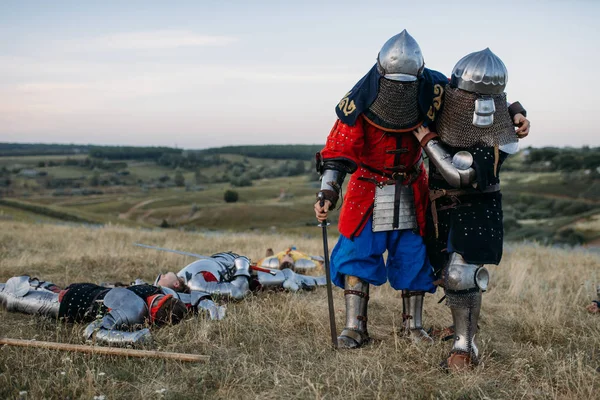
(407, 266)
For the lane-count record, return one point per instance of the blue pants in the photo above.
(407, 266)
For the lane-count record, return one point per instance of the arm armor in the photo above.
(289, 280)
(237, 289)
(457, 170)
(111, 336)
(215, 312)
(331, 185)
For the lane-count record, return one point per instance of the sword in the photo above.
(332, 327)
(185, 253)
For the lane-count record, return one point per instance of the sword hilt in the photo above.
(321, 198)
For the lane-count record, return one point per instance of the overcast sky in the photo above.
(199, 74)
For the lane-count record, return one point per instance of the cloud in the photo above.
(150, 40)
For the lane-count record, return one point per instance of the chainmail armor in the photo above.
(396, 105)
(455, 124)
(463, 300)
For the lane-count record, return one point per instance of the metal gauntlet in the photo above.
(457, 170)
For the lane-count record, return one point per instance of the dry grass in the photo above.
(537, 341)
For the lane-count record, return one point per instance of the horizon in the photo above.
(202, 75)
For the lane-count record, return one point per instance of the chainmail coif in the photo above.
(396, 104)
(455, 123)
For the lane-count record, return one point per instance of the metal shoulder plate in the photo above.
(207, 265)
(126, 307)
(270, 262)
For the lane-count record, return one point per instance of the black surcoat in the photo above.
(469, 224)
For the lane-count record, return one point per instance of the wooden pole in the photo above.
(105, 350)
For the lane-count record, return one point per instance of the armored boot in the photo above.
(355, 333)
(412, 316)
(464, 285)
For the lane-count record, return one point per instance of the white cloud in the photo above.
(150, 40)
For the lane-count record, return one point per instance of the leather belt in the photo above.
(439, 193)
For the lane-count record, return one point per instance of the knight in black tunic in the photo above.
(464, 222)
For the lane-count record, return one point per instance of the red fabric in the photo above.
(365, 143)
(208, 277)
(154, 309)
(61, 294)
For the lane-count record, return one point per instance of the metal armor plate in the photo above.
(389, 216)
(206, 265)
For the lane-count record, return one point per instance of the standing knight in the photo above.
(387, 196)
(465, 231)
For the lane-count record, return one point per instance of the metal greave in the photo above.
(412, 309)
(357, 298)
(464, 283)
(34, 302)
(465, 325)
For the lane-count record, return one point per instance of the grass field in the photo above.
(537, 342)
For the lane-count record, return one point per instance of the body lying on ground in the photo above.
(119, 314)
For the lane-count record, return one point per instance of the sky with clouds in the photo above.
(198, 74)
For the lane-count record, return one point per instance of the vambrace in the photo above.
(95, 331)
(331, 185)
(289, 280)
(215, 312)
(237, 289)
(457, 170)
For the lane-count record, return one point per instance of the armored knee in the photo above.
(461, 276)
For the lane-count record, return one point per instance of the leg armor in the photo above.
(412, 316)
(17, 296)
(357, 297)
(464, 285)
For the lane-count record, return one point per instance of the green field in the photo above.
(544, 206)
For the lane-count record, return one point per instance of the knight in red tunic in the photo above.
(387, 196)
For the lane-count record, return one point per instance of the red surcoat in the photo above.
(374, 149)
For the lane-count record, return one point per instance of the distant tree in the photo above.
(41, 164)
(95, 179)
(179, 179)
(230, 196)
(241, 181)
(164, 178)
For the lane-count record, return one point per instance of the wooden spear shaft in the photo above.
(105, 350)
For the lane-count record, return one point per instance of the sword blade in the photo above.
(332, 326)
(183, 253)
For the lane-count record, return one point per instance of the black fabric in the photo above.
(144, 291)
(472, 223)
(79, 304)
(81, 300)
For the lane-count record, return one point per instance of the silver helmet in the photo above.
(475, 111)
(480, 72)
(400, 58)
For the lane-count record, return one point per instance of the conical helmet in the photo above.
(480, 72)
(400, 58)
